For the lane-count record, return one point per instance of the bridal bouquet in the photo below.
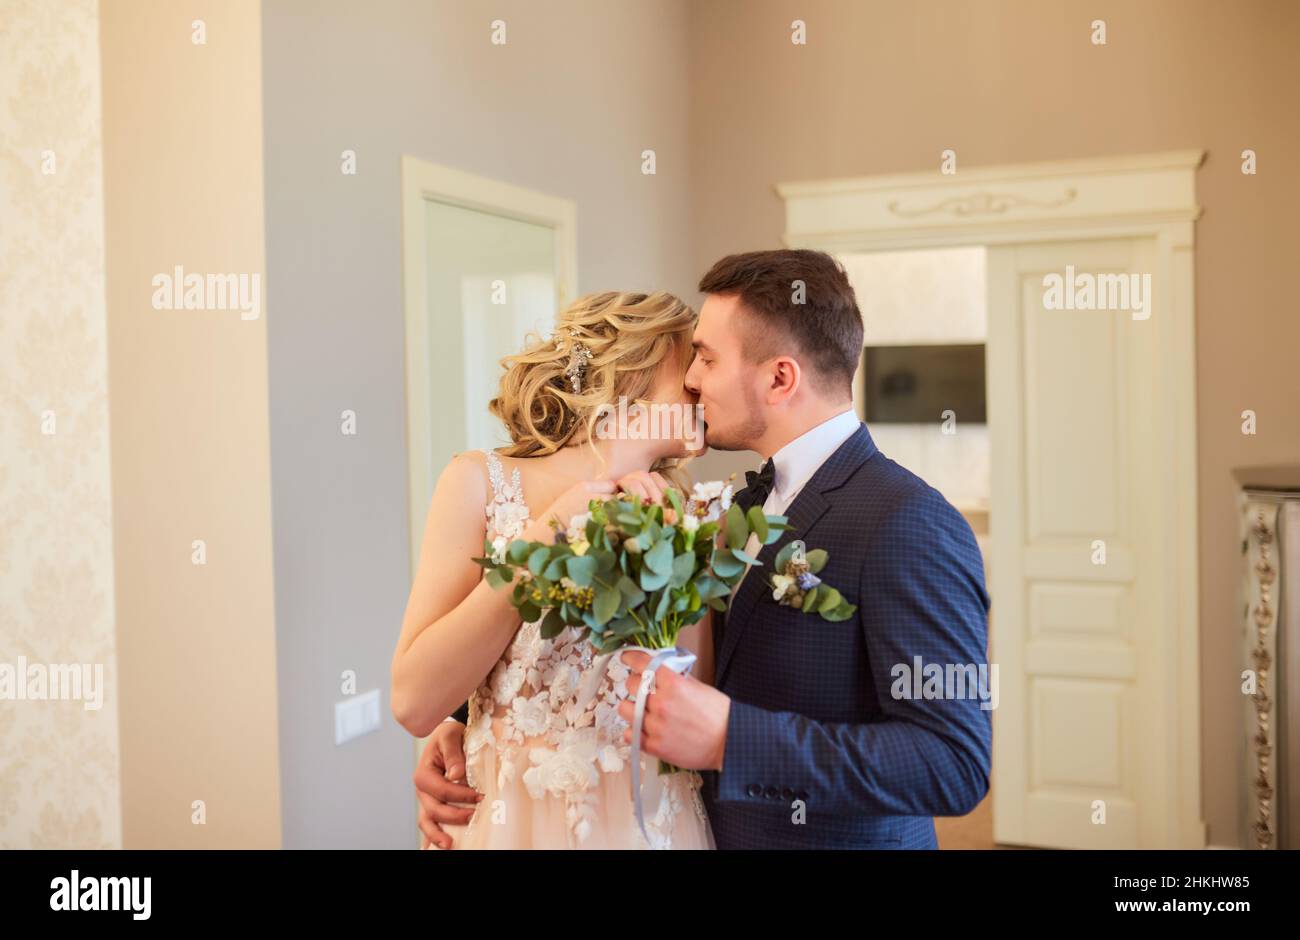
(633, 573)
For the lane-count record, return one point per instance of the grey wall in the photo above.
(566, 107)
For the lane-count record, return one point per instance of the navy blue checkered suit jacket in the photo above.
(812, 714)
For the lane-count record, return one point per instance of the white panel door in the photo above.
(1080, 557)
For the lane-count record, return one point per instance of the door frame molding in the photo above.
(424, 182)
(1142, 196)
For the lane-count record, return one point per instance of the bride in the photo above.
(544, 743)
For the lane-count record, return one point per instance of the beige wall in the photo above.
(59, 783)
(884, 87)
(188, 397)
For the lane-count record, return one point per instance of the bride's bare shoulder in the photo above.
(465, 477)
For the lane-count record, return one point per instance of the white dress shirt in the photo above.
(794, 465)
(796, 462)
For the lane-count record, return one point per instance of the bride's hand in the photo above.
(645, 484)
(572, 502)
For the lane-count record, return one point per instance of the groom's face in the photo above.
(728, 385)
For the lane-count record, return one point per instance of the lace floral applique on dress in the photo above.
(549, 708)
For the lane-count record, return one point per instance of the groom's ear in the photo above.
(785, 379)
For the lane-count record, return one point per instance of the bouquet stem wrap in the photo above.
(677, 659)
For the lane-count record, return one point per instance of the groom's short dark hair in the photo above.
(798, 296)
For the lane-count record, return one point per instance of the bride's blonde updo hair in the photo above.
(629, 334)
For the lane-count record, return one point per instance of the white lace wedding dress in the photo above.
(544, 743)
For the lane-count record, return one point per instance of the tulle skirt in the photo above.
(513, 818)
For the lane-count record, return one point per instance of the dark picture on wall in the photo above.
(917, 384)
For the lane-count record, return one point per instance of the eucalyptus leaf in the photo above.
(633, 594)
(581, 569)
(828, 599)
(843, 612)
(651, 581)
(660, 558)
(683, 568)
(552, 624)
(737, 530)
(623, 626)
(725, 565)
(810, 600)
(758, 522)
(817, 559)
(746, 558)
(606, 604)
(537, 560)
(661, 609)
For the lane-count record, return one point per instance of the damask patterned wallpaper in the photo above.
(59, 773)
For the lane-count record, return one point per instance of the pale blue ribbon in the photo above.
(678, 660)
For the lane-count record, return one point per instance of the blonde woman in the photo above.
(545, 759)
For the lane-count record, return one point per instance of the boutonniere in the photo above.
(795, 583)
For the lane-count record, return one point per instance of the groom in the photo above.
(820, 734)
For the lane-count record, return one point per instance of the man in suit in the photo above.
(815, 734)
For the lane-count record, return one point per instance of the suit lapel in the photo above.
(807, 508)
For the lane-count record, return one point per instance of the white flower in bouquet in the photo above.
(499, 546)
(576, 534)
(690, 523)
(710, 500)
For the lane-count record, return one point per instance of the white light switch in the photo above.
(356, 716)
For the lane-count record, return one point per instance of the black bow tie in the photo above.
(759, 485)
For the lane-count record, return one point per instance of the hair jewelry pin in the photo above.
(579, 357)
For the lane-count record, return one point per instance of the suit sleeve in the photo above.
(922, 595)
(462, 714)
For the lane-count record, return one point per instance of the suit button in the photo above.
(787, 794)
(754, 790)
(773, 793)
